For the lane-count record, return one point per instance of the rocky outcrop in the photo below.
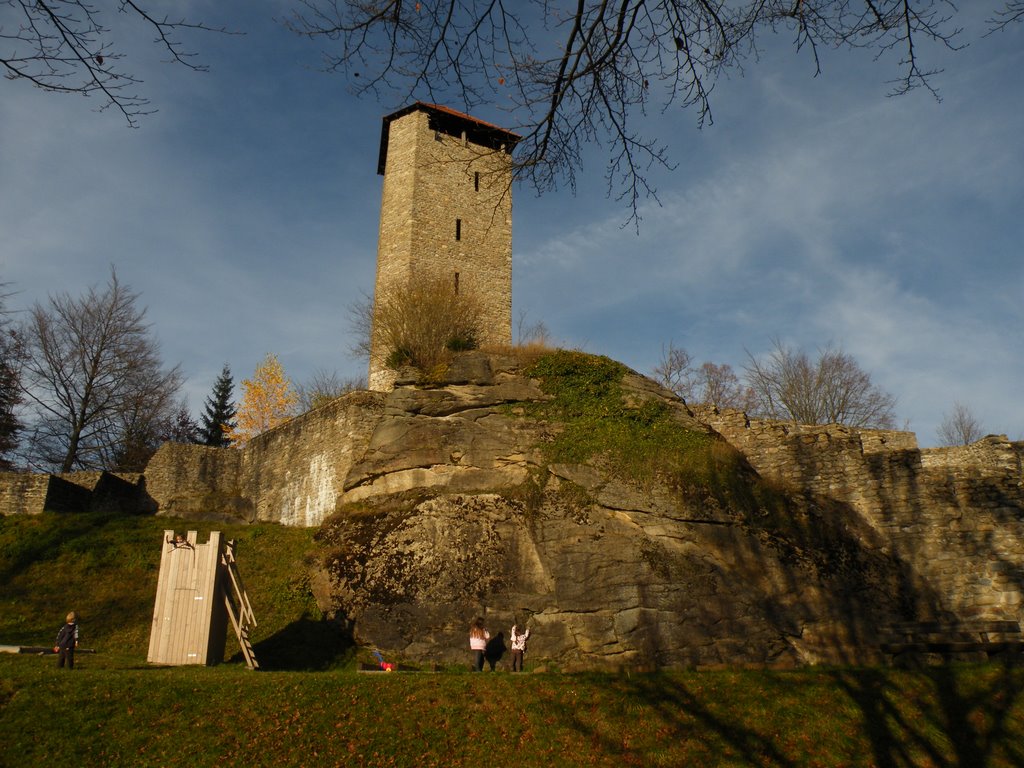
(459, 508)
(581, 497)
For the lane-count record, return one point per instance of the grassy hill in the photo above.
(309, 707)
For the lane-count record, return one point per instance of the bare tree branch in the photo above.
(65, 46)
(675, 372)
(571, 75)
(833, 389)
(1012, 13)
(93, 376)
(960, 427)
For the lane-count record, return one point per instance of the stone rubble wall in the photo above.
(197, 481)
(433, 179)
(24, 493)
(955, 515)
(291, 474)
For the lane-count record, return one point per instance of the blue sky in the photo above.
(815, 210)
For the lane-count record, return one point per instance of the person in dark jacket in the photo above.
(67, 641)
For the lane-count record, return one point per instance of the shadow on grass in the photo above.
(305, 645)
(26, 541)
(947, 716)
(959, 721)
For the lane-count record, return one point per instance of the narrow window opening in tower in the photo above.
(476, 181)
(458, 229)
(456, 283)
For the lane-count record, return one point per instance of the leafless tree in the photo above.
(575, 73)
(93, 377)
(833, 389)
(324, 386)
(144, 429)
(960, 427)
(674, 371)
(709, 386)
(720, 387)
(532, 334)
(67, 46)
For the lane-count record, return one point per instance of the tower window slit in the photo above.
(458, 229)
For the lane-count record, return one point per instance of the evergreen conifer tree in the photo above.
(219, 412)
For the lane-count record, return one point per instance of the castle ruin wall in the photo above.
(196, 480)
(955, 515)
(293, 474)
(22, 493)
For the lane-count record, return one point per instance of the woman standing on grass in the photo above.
(478, 637)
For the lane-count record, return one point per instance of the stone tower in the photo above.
(446, 210)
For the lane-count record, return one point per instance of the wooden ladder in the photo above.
(239, 609)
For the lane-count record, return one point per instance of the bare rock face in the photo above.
(459, 508)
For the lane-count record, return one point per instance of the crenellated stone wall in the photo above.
(955, 515)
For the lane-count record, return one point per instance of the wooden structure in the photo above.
(199, 590)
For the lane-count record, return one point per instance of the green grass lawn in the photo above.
(961, 716)
(308, 707)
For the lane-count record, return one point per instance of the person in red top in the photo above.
(478, 637)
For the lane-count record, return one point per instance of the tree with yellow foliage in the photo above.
(268, 399)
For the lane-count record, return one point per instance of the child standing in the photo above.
(478, 637)
(67, 641)
(519, 638)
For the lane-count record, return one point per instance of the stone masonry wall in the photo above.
(291, 474)
(294, 474)
(195, 480)
(956, 515)
(446, 209)
(22, 493)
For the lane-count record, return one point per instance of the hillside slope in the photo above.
(105, 565)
